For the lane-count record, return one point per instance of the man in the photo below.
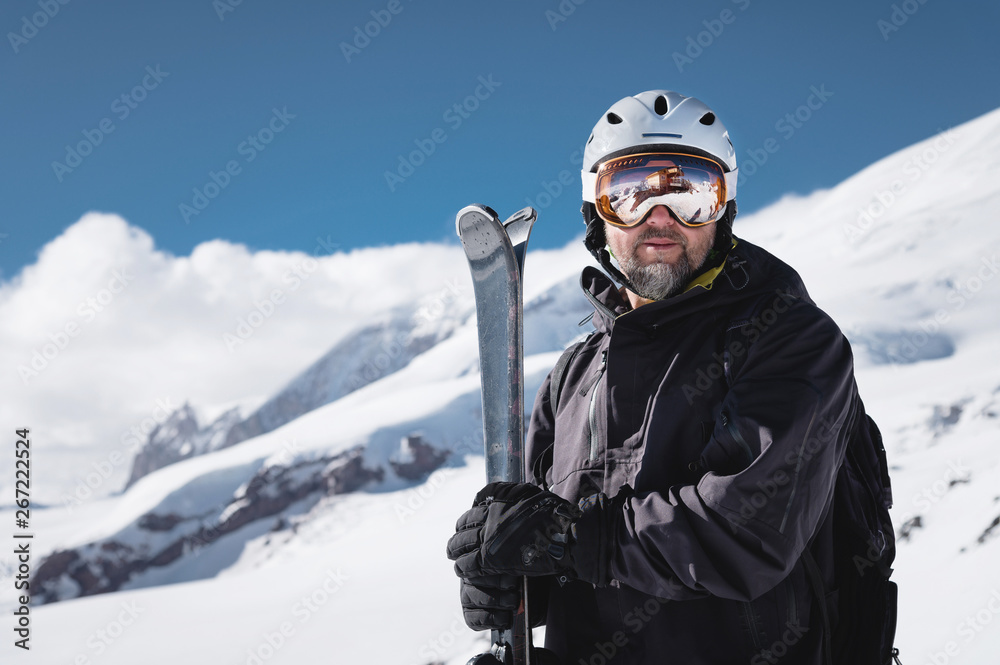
(685, 462)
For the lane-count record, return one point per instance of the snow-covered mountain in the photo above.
(180, 437)
(371, 352)
(324, 537)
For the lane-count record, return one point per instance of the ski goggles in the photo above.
(625, 189)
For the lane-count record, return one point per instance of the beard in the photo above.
(659, 280)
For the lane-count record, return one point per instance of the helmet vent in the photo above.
(614, 119)
(660, 105)
(590, 139)
(707, 119)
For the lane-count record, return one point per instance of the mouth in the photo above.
(659, 243)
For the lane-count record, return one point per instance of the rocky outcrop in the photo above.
(169, 442)
(154, 522)
(106, 565)
(92, 569)
(417, 458)
(180, 437)
(909, 526)
(988, 532)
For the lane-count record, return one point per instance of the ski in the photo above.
(518, 228)
(496, 253)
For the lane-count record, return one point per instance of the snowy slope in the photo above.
(363, 576)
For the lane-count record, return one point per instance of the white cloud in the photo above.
(104, 324)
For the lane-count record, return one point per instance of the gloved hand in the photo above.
(518, 529)
(489, 603)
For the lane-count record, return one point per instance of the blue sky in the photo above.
(277, 123)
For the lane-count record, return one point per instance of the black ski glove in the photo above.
(489, 603)
(518, 529)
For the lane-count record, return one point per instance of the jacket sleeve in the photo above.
(739, 531)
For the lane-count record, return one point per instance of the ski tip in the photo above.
(523, 215)
(477, 208)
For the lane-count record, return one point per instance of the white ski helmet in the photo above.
(658, 120)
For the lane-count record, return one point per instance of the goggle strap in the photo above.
(731, 178)
(590, 186)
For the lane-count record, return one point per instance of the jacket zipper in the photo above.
(734, 432)
(792, 609)
(751, 618)
(592, 413)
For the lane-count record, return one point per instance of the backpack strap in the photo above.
(556, 379)
(558, 374)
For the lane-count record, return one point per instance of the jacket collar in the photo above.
(748, 270)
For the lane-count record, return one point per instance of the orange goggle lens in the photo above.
(629, 187)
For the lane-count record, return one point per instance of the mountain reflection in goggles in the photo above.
(629, 187)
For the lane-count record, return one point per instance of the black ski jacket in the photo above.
(728, 478)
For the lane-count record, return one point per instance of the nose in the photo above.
(661, 216)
